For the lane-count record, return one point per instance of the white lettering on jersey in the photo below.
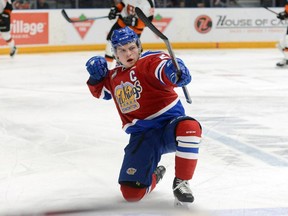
(133, 77)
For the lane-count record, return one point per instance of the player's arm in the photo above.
(98, 70)
(114, 10)
(161, 65)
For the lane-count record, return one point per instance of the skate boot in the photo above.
(159, 172)
(282, 63)
(13, 51)
(182, 192)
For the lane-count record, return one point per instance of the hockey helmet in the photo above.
(123, 36)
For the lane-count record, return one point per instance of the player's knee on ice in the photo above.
(133, 192)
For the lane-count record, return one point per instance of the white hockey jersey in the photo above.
(147, 6)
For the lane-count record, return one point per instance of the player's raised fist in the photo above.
(97, 68)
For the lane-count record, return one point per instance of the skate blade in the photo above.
(182, 205)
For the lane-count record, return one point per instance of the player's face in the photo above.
(128, 54)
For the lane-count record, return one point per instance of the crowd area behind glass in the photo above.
(56, 4)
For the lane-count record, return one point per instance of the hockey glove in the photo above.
(171, 72)
(97, 68)
(130, 20)
(282, 15)
(113, 13)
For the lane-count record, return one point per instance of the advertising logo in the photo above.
(203, 24)
(29, 28)
(161, 23)
(83, 27)
(250, 24)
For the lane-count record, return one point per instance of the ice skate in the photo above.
(182, 193)
(159, 172)
(13, 51)
(282, 63)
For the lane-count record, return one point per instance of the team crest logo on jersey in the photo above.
(127, 95)
(131, 171)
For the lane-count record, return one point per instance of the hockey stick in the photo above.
(149, 24)
(271, 10)
(65, 15)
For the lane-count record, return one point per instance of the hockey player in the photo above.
(142, 87)
(283, 43)
(127, 17)
(5, 13)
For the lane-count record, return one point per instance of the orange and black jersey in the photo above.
(127, 8)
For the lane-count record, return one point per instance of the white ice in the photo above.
(61, 149)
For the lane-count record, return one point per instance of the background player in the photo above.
(142, 87)
(283, 43)
(128, 17)
(5, 19)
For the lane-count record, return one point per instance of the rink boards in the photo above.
(38, 31)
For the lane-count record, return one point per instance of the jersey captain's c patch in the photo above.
(126, 95)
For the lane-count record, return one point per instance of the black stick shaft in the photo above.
(271, 10)
(149, 24)
(65, 15)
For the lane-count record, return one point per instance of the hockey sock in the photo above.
(188, 136)
(153, 185)
(133, 193)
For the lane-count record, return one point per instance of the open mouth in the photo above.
(130, 60)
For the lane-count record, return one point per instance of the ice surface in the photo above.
(61, 149)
